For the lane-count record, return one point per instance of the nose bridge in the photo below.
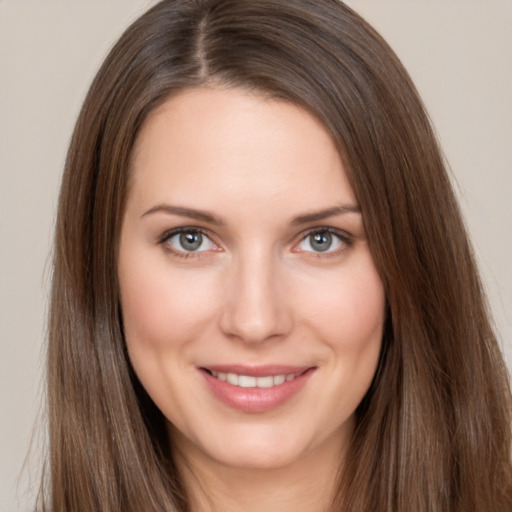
(255, 306)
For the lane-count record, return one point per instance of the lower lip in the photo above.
(256, 399)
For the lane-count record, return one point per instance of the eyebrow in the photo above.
(209, 218)
(326, 213)
(186, 212)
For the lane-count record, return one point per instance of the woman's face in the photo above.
(252, 308)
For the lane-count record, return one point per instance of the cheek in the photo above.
(350, 321)
(164, 312)
(161, 306)
(349, 310)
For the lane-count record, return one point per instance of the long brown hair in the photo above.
(434, 431)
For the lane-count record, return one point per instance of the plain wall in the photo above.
(459, 53)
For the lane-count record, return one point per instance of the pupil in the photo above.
(191, 241)
(321, 241)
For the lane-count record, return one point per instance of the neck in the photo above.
(308, 484)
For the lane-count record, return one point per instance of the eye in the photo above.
(188, 241)
(323, 241)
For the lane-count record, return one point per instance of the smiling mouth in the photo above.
(256, 389)
(249, 381)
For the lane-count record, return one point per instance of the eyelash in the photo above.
(168, 235)
(345, 239)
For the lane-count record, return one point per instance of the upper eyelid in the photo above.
(164, 241)
(169, 233)
(326, 229)
(345, 238)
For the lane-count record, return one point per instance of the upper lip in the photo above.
(257, 371)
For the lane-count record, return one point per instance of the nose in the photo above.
(256, 308)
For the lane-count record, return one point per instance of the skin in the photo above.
(257, 292)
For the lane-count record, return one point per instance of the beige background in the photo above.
(458, 52)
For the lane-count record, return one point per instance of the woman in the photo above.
(263, 293)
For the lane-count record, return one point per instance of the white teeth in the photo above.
(265, 382)
(248, 381)
(232, 378)
(279, 379)
(244, 381)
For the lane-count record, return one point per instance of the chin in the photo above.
(259, 447)
(265, 457)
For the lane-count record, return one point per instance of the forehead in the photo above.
(212, 144)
